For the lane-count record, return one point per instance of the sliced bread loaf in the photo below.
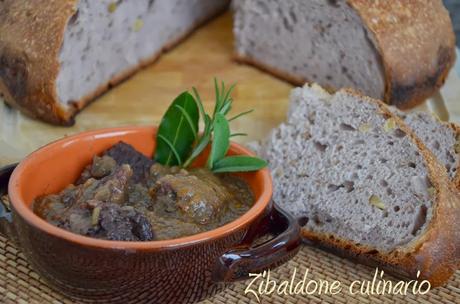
(363, 185)
(56, 56)
(397, 51)
(441, 138)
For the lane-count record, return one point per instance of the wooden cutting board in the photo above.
(143, 98)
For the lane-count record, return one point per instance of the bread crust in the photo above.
(416, 44)
(416, 41)
(29, 59)
(29, 67)
(456, 128)
(436, 251)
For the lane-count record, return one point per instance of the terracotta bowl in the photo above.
(182, 270)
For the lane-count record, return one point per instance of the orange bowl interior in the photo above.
(53, 167)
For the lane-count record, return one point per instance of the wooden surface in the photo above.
(143, 98)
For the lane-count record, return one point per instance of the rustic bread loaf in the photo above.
(56, 56)
(363, 185)
(397, 51)
(441, 138)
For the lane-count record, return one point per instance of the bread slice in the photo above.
(363, 185)
(56, 56)
(441, 138)
(375, 47)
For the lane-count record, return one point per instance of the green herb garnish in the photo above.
(179, 141)
(221, 140)
(178, 131)
(238, 163)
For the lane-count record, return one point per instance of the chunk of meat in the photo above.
(158, 171)
(72, 209)
(115, 188)
(120, 154)
(99, 168)
(162, 225)
(112, 188)
(123, 224)
(52, 207)
(200, 196)
(110, 222)
(124, 153)
(79, 221)
(103, 166)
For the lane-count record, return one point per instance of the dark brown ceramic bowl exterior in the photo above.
(174, 271)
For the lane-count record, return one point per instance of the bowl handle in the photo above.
(6, 216)
(239, 262)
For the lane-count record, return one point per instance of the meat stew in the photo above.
(126, 196)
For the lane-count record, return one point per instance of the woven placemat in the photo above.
(20, 284)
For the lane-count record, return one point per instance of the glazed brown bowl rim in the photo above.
(23, 209)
